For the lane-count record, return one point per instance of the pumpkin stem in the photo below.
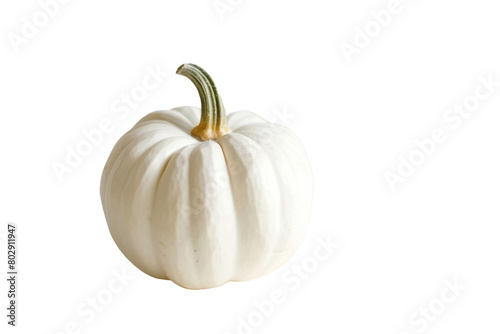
(213, 115)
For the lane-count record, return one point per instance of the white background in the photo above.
(282, 60)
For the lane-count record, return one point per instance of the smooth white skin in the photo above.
(202, 213)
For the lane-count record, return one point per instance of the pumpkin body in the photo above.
(201, 213)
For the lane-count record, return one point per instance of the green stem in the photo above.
(213, 115)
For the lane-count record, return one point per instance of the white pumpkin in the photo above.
(201, 205)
